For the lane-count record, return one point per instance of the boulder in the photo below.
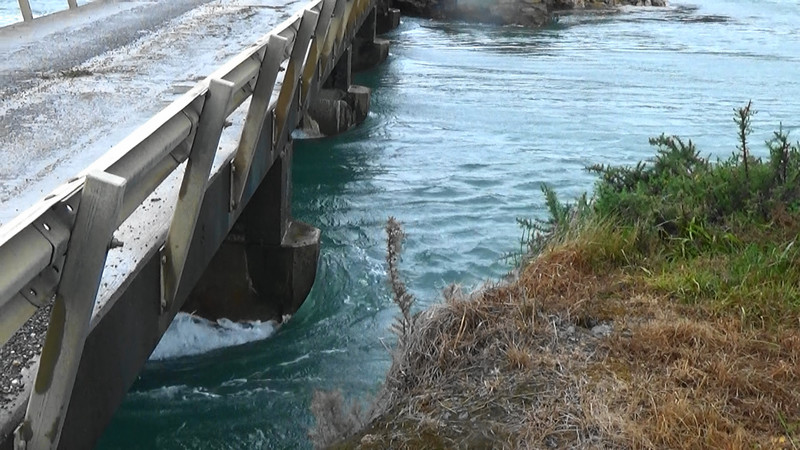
(532, 13)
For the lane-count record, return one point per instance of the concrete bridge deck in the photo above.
(63, 109)
(75, 83)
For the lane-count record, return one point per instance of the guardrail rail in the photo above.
(27, 13)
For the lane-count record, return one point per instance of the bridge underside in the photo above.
(266, 266)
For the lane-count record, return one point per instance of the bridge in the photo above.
(190, 211)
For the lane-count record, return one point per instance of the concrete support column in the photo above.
(282, 253)
(388, 21)
(339, 105)
(267, 217)
(341, 76)
(335, 111)
(388, 17)
(267, 265)
(369, 50)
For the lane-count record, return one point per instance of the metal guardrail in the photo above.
(27, 13)
(50, 250)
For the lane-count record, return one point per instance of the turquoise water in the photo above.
(466, 124)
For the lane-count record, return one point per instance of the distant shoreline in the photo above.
(531, 13)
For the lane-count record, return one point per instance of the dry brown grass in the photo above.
(518, 366)
(708, 384)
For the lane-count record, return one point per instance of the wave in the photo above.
(189, 335)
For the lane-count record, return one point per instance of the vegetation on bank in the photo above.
(662, 312)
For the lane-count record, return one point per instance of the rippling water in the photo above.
(466, 124)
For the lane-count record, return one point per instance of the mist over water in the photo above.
(466, 123)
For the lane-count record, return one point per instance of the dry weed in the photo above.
(577, 353)
(517, 366)
(333, 419)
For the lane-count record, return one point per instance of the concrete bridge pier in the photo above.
(387, 17)
(387, 20)
(368, 49)
(267, 264)
(340, 104)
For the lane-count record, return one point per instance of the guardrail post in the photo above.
(96, 221)
(315, 59)
(254, 124)
(193, 187)
(72, 4)
(336, 22)
(25, 9)
(347, 23)
(287, 95)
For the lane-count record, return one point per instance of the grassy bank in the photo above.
(663, 312)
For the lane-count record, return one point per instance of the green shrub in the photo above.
(720, 232)
(689, 201)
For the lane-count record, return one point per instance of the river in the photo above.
(467, 122)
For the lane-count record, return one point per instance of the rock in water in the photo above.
(532, 13)
(434, 9)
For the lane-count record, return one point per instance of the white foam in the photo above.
(192, 335)
(295, 361)
(162, 393)
(333, 350)
(234, 382)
